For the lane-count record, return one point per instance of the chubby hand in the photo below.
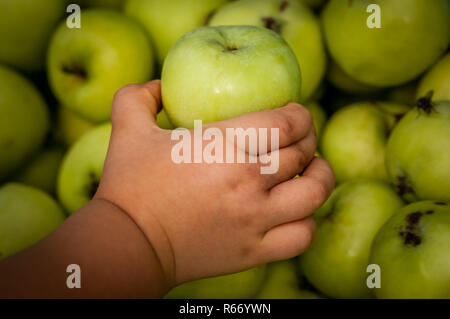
(210, 219)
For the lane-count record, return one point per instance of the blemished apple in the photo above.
(412, 250)
(24, 121)
(418, 152)
(341, 80)
(82, 168)
(215, 73)
(295, 22)
(42, 171)
(87, 66)
(27, 215)
(70, 126)
(241, 285)
(336, 262)
(437, 80)
(283, 283)
(25, 30)
(413, 34)
(354, 139)
(163, 121)
(166, 21)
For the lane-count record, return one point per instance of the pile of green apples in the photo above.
(380, 98)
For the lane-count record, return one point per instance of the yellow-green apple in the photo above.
(241, 285)
(319, 117)
(412, 250)
(163, 121)
(25, 30)
(418, 152)
(216, 73)
(346, 226)
(87, 66)
(411, 36)
(283, 283)
(70, 126)
(404, 94)
(108, 4)
(355, 137)
(295, 22)
(82, 168)
(437, 80)
(166, 21)
(41, 172)
(27, 215)
(312, 3)
(24, 121)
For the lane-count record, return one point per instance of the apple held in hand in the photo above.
(412, 250)
(167, 20)
(346, 226)
(418, 152)
(24, 121)
(25, 30)
(354, 139)
(412, 36)
(82, 168)
(26, 216)
(87, 66)
(216, 73)
(241, 285)
(295, 22)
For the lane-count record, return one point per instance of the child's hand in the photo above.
(210, 219)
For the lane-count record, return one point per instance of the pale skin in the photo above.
(154, 224)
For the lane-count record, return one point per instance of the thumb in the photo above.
(137, 104)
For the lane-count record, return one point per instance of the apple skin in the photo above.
(283, 283)
(163, 121)
(42, 171)
(27, 215)
(82, 168)
(298, 26)
(87, 66)
(336, 262)
(166, 21)
(241, 285)
(107, 4)
(437, 80)
(24, 121)
(412, 250)
(418, 153)
(25, 30)
(404, 94)
(70, 127)
(312, 3)
(319, 117)
(355, 137)
(215, 73)
(413, 35)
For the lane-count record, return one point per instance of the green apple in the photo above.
(295, 22)
(163, 121)
(437, 80)
(404, 94)
(418, 152)
(26, 216)
(319, 117)
(355, 137)
(283, 283)
(25, 30)
(43, 170)
(87, 66)
(346, 225)
(82, 168)
(312, 3)
(412, 250)
(24, 121)
(70, 127)
(241, 285)
(412, 36)
(108, 4)
(345, 82)
(216, 73)
(166, 21)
